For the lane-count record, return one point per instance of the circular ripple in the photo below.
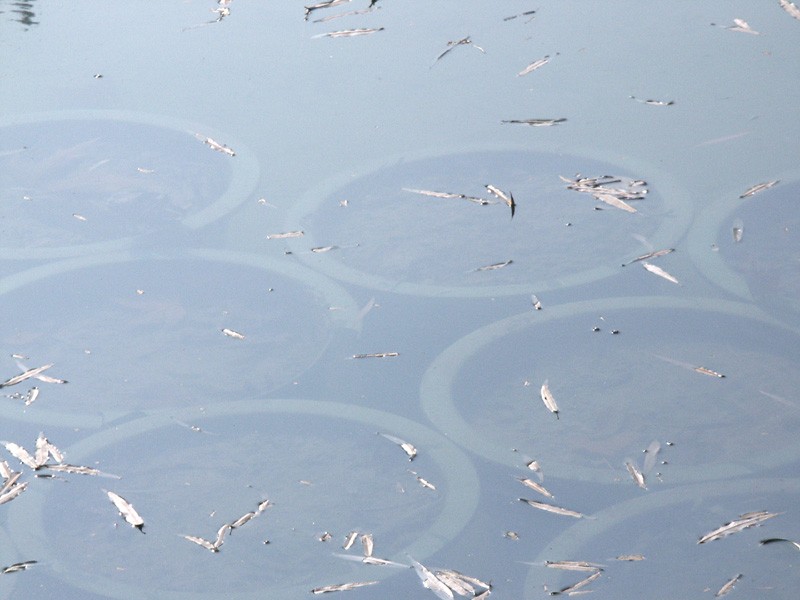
(320, 463)
(122, 350)
(81, 181)
(617, 393)
(392, 239)
(765, 265)
(664, 527)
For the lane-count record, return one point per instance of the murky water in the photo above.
(151, 167)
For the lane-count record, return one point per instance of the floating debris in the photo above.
(126, 510)
(465, 41)
(548, 399)
(494, 266)
(759, 187)
(215, 145)
(790, 8)
(348, 33)
(342, 587)
(653, 102)
(535, 122)
(537, 64)
(408, 448)
(552, 508)
(16, 567)
(728, 586)
(231, 333)
(743, 522)
(377, 355)
(655, 270)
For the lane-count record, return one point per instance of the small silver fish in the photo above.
(572, 589)
(201, 542)
(653, 102)
(790, 8)
(77, 469)
(466, 41)
(367, 544)
(423, 482)
(636, 474)
(709, 372)
(738, 231)
(376, 355)
(348, 33)
(552, 508)
(285, 235)
(431, 581)
(221, 532)
(26, 375)
(537, 487)
(231, 333)
(759, 187)
(655, 270)
(548, 399)
(535, 122)
(126, 510)
(31, 396)
(495, 266)
(13, 492)
(327, 4)
(728, 586)
(612, 200)
(742, 26)
(535, 302)
(349, 540)
(341, 587)
(630, 557)
(534, 65)
(215, 145)
(573, 565)
(21, 455)
(408, 448)
(507, 198)
(20, 566)
(242, 520)
(743, 522)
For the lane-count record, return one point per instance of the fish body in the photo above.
(612, 200)
(231, 333)
(507, 198)
(20, 566)
(535, 302)
(573, 565)
(495, 266)
(709, 372)
(743, 522)
(26, 375)
(21, 455)
(285, 235)
(535, 122)
(13, 492)
(341, 587)
(728, 586)
(790, 8)
(201, 542)
(127, 511)
(431, 581)
(653, 102)
(759, 187)
(31, 396)
(367, 544)
(636, 474)
(552, 508)
(408, 448)
(349, 32)
(656, 270)
(376, 355)
(216, 145)
(537, 64)
(548, 399)
(537, 487)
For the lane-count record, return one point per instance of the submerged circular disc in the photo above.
(82, 181)
(657, 379)
(134, 334)
(663, 528)
(388, 233)
(320, 464)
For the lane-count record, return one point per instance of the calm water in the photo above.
(128, 244)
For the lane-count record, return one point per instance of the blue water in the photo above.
(217, 356)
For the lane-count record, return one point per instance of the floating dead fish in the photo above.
(743, 522)
(5, 470)
(285, 235)
(79, 217)
(738, 231)
(242, 520)
(507, 198)
(26, 375)
(537, 64)
(16, 567)
(231, 333)
(728, 586)
(447, 195)
(222, 531)
(348, 33)
(341, 587)
(552, 508)
(535, 122)
(531, 464)
(653, 102)
(376, 355)
(323, 249)
(537, 487)
(655, 270)
(431, 581)
(630, 557)
(742, 26)
(615, 202)
(409, 449)
(466, 41)
(573, 565)
(548, 399)
(327, 4)
(572, 589)
(349, 540)
(535, 302)
(215, 145)
(760, 187)
(495, 266)
(263, 505)
(21, 455)
(77, 469)
(14, 491)
(775, 540)
(636, 474)
(381, 562)
(367, 544)
(790, 8)
(423, 482)
(126, 510)
(705, 371)
(31, 396)
(201, 542)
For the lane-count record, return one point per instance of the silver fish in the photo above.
(323, 249)
(431, 581)
(660, 272)
(20, 566)
(41, 454)
(552, 508)
(612, 200)
(743, 522)
(26, 375)
(408, 448)
(285, 235)
(495, 266)
(327, 4)
(242, 520)
(573, 565)
(760, 187)
(535, 122)
(349, 540)
(507, 198)
(466, 41)
(13, 492)
(535, 302)
(636, 474)
(423, 482)
(534, 65)
(630, 557)
(78, 469)
(742, 26)
(5, 470)
(709, 372)
(435, 194)
(21, 455)
(728, 586)
(126, 510)
(348, 33)
(231, 333)
(653, 102)
(215, 145)
(221, 532)
(367, 544)
(263, 505)
(790, 8)
(548, 399)
(571, 589)
(382, 562)
(738, 231)
(31, 396)
(376, 355)
(537, 487)
(341, 587)
(655, 254)
(10, 482)
(201, 542)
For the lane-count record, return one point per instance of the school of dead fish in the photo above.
(616, 192)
